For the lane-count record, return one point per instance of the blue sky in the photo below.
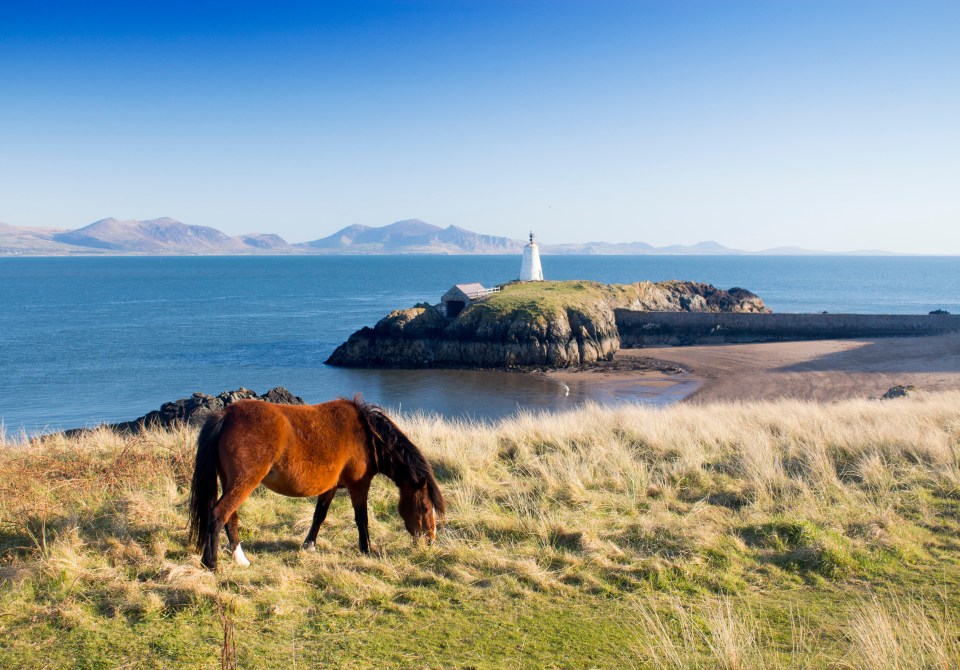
(829, 125)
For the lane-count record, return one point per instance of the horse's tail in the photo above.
(203, 488)
(398, 456)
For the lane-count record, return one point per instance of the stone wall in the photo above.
(640, 329)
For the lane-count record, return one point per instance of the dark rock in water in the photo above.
(897, 391)
(193, 411)
(940, 311)
(281, 396)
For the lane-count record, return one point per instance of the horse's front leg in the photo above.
(358, 496)
(319, 514)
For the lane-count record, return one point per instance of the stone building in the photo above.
(462, 296)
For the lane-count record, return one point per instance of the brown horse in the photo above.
(305, 450)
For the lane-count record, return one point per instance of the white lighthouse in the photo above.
(530, 269)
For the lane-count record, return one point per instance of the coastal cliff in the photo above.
(556, 324)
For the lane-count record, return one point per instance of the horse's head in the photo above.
(418, 510)
(421, 502)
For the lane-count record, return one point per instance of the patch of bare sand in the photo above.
(636, 377)
(821, 370)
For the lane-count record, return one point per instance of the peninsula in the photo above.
(568, 324)
(525, 324)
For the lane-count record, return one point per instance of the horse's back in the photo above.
(303, 449)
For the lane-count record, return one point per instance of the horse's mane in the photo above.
(397, 456)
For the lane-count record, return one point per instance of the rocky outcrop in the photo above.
(683, 296)
(555, 324)
(898, 391)
(423, 338)
(193, 411)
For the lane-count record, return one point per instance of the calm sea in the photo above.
(86, 340)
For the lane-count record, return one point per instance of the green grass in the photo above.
(549, 295)
(768, 535)
(533, 300)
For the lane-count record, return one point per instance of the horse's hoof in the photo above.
(309, 546)
(240, 558)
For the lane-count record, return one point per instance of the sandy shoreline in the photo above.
(822, 370)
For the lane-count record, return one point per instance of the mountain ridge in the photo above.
(168, 236)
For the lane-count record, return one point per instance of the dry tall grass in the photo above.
(763, 535)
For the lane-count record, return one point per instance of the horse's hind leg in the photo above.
(226, 511)
(233, 535)
(209, 558)
(319, 514)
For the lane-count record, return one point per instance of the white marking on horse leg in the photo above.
(239, 557)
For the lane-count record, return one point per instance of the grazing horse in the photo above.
(305, 450)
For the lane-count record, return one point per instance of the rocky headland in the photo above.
(528, 324)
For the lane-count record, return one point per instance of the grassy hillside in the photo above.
(782, 535)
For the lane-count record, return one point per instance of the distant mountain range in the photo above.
(412, 237)
(153, 237)
(166, 236)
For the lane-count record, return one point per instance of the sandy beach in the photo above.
(816, 370)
